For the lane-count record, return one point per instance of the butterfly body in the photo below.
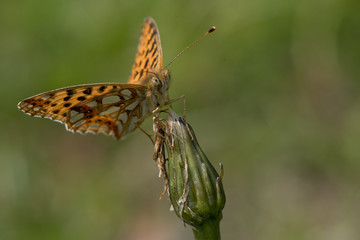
(111, 108)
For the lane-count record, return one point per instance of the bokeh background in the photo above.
(273, 94)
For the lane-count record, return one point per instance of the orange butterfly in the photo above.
(111, 108)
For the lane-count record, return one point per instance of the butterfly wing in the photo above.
(149, 54)
(109, 108)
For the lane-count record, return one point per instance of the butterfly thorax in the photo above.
(158, 86)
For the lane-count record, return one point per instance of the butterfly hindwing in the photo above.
(149, 54)
(110, 108)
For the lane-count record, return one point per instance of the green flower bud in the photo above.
(195, 188)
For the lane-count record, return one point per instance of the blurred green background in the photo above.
(273, 94)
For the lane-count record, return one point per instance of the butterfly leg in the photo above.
(139, 121)
(157, 109)
(148, 135)
(175, 100)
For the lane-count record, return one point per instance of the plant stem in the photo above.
(209, 230)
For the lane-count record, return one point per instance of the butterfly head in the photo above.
(159, 83)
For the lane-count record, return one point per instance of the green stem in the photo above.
(209, 230)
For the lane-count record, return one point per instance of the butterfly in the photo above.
(114, 109)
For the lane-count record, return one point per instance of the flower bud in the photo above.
(196, 190)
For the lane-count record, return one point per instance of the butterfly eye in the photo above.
(156, 82)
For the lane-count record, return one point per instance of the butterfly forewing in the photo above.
(149, 54)
(110, 108)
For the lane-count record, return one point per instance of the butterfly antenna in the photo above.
(193, 43)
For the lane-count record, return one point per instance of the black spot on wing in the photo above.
(70, 92)
(141, 73)
(147, 52)
(88, 91)
(135, 74)
(146, 63)
(152, 46)
(154, 52)
(154, 33)
(81, 98)
(152, 26)
(154, 63)
(101, 89)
